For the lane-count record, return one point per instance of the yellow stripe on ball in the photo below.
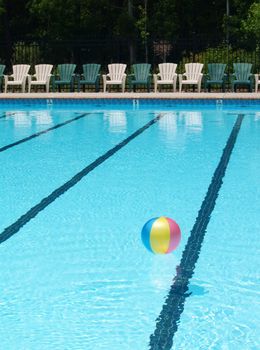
(160, 236)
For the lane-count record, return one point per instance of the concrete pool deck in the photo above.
(133, 95)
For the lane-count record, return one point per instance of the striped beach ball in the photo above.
(161, 235)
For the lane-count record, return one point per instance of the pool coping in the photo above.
(133, 95)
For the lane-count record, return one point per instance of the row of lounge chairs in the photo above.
(140, 76)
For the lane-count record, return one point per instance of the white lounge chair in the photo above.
(192, 75)
(42, 76)
(116, 76)
(19, 76)
(167, 75)
(257, 81)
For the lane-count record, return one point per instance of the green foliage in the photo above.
(251, 24)
(141, 23)
(26, 53)
(222, 54)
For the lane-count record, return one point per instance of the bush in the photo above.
(223, 54)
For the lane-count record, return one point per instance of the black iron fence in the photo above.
(154, 51)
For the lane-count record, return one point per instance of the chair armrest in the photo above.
(256, 77)
(9, 77)
(180, 77)
(32, 77)
(232, 77)
(131, 76)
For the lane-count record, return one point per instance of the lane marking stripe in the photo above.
(35, 210)
(169, 318)
(57, 126)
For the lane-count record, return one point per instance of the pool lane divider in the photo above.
(37, 134)
(169, 318)
(31, 213)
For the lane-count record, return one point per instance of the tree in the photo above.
(251, 24)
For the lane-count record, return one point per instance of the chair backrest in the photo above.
(193, 70)
(242, 71)
(141, 71)
(116, 71)
(216, 71)
(2, 68)
(91, 71)
(167, 70)
(42, 71)
(20, 71)
(66, 71)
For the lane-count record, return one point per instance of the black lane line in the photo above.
(4, 148)
(24, 219)
(169, 318)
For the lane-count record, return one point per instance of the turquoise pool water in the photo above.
(74, 272)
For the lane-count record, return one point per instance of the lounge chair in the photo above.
(65, 76)
(216, 76)
(192, 75)
(19, 76)
(242, 76)
(2, 68)
(141, 76)
(116, 76)
(257, 81)
(167, 76)
(90, 76)
(41, 77)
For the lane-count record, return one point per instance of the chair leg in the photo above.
(155, 87)
(174, 86)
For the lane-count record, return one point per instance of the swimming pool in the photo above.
(78, 182)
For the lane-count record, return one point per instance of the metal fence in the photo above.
(105, 51)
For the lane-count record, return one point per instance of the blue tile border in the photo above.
(129, 101)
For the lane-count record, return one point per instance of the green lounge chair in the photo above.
(216, 75)
(90, 76)
(141, 76)
(2, 68)
(242, 76)
(65, 76)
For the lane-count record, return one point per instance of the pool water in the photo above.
(74, 271)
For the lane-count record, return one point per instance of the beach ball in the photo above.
(161, 235)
